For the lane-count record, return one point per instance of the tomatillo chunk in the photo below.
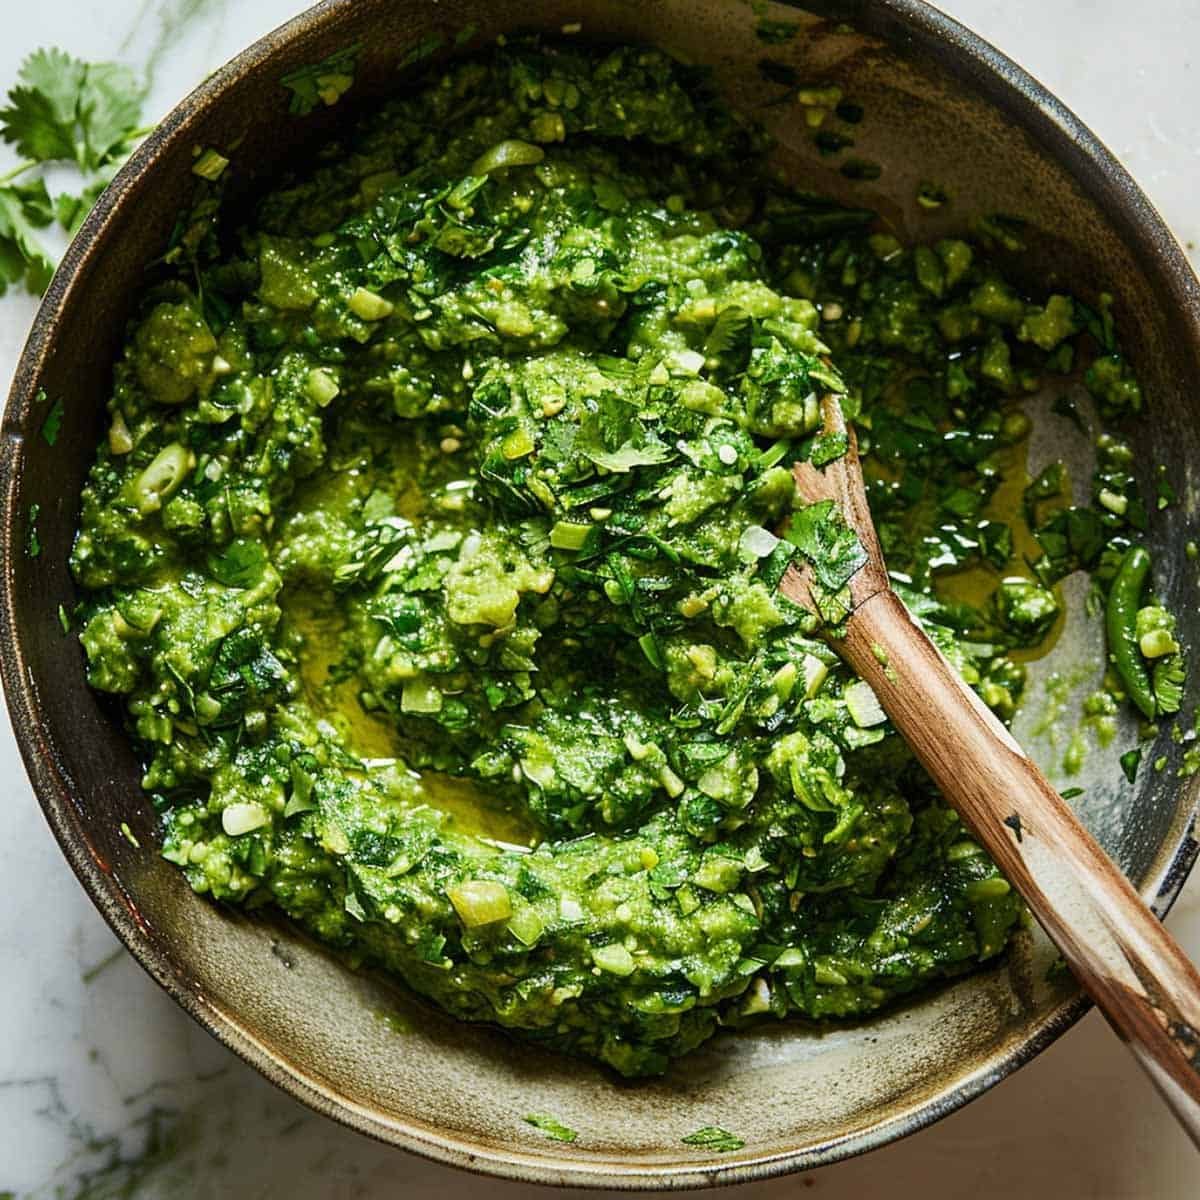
(480, 902)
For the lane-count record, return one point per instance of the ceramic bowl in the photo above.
(941, 106)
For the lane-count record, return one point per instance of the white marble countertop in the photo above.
(107, 1089)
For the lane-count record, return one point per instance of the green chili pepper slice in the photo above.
(1120, 620)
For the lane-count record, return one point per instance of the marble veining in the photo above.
(108, 1090)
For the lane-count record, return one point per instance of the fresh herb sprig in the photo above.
(61, 110)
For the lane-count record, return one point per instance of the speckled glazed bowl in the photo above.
(941, 105)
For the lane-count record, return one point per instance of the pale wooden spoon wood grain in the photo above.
(1114, 945)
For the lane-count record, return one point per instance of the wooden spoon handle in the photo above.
(1115, 946)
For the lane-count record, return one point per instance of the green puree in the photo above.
(432, 550)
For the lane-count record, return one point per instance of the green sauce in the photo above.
(433, 554)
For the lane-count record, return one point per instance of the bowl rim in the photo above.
(965, 56)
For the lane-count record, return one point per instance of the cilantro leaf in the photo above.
(828, 447)
(66, 109)
(629, 456)
(110, 110)
(71, 210)
(60, 110)
(712, 1137)
(35, 202)
(728, 341)
(40, 117)
(24, 208)
(830, 546)
(551, 1127)
(33, 543)
(240, 564)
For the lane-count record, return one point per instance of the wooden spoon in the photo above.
(1115, 946)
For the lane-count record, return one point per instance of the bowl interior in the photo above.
(938, 110)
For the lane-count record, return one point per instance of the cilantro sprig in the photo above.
(61, 110)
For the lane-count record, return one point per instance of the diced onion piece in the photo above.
(614, 958)
(163, 477)
(321, 386)
(671, 782)
(244, 818)
(756, 542)
(1156, 643)
(815, 672)
(526, 925)
(637, 749)
(120, 440)
(863, 705)
(784, 680)
(480, 902)
(687, 362)
(569, 535)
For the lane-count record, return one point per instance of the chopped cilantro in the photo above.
(1130, 761)
(712, 1137)
(551, 1127)
(33, 543)
(325, 82)
(53, 422)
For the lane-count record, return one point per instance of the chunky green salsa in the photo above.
(435, 544)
